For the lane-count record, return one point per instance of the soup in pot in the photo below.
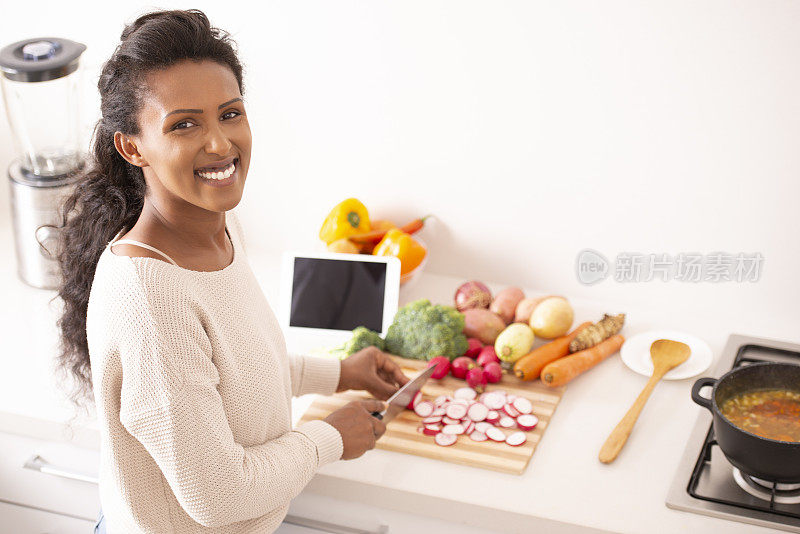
(770, 413)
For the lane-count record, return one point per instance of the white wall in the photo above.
(532, 130)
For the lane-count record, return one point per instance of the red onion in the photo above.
(472, 294)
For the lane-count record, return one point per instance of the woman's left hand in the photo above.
(372, 370)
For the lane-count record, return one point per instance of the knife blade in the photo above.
(398, 402)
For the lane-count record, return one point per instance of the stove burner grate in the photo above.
(774, 492)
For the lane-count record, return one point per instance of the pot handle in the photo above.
(700, 384)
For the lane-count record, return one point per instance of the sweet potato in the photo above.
(483, 324)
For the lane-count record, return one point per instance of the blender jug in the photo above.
(41, 91)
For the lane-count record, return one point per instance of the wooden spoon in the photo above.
(666, 354)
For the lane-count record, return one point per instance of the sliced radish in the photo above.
(523, 405)
(453, 429)
(438, 401)
(432, 419)
(510, 399)
(431, 431)
(424, 409)
(434, 426)
(456, 411)
(510, 410)
(495, 400)
(469, 427)
(416, 400)
(516, 439)
(465, 393)
(477, 412)
(507, 422)
(495, 434)
(445, 440)
(483, 426)
(462, 402)
(492, 417)
(477, 436)
(438, 412)
(527, 421)
(450, 421)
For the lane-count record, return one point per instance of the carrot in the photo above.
(562, 371)
(530, 366)
(376, 236)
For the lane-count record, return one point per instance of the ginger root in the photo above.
(598, 332)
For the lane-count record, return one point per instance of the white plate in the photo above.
(635, 353)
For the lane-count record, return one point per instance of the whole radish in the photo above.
(493, 372)
(442, 364)
(461, 366)
(476, 379)
(474, 347)
(487, 355)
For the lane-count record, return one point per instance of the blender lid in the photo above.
(40, 59)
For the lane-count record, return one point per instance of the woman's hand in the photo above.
(358, 428)
(372, 370)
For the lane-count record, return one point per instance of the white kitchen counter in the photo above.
(564, 489)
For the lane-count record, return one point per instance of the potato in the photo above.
(505, 303)
(483, 324)
(525, 308)
(552, 318)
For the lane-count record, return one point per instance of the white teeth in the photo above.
(218, 175)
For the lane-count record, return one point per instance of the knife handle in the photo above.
(377, 415)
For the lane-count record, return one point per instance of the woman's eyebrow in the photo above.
(238, 98)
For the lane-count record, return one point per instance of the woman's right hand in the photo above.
(359, 429)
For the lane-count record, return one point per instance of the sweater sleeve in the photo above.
(170, 403)
(314, 375)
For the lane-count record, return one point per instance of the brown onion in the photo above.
(472, 295)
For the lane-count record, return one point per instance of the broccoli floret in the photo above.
(422, 331)
(362, 338)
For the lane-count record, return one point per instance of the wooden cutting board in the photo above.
(402, 435)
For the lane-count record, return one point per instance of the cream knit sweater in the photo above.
(193, 388)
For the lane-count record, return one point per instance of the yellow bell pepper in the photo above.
(345, 219)
(401, 245)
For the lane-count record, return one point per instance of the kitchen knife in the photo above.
(398, 402)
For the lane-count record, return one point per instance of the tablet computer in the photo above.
(324, 296)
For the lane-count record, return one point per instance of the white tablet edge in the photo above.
(391, 289)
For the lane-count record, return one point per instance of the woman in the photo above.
(190, 376)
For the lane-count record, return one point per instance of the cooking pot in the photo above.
(769, 459)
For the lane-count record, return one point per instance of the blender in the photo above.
(41, 86)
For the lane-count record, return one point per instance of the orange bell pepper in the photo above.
(402, 246)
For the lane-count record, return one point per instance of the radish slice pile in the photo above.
(482, 417)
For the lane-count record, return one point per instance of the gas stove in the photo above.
(706, 483)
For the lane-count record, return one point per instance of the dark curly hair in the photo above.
(109, 196)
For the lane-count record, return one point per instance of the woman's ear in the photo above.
(127, 149)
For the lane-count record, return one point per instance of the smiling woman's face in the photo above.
(193, 120)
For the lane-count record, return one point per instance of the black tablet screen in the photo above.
(337, 294)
